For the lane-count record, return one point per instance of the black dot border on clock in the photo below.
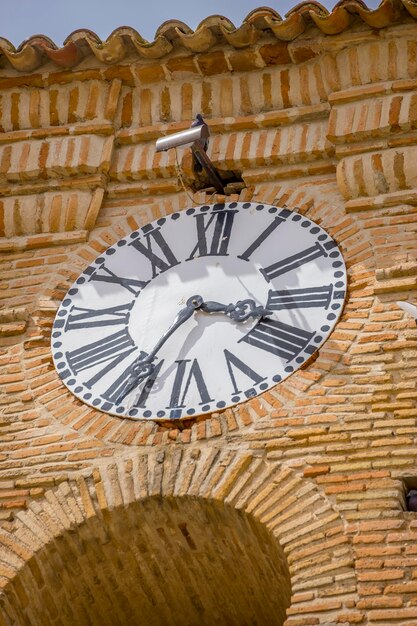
(122, 411)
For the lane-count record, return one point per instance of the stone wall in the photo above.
(307, 480)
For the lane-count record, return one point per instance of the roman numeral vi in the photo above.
(188, 372)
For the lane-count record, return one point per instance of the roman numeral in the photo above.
(278, 338)
(148, 386)
(91, 318)
(111, 350)
(265, 234)
(300, 298)
(121, 387)
(213, 233)
(105, 275)
(293, 261)
(184, 376)
(144, 246)
(233, 361)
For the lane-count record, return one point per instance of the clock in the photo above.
(198, 311)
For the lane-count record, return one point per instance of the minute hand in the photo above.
(193, 303)
(143, 367)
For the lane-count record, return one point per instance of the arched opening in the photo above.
(158, 562)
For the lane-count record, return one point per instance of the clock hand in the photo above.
(143, 366)
(239, 312)
(193, 303)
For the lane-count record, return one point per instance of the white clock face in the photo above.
(146, 332)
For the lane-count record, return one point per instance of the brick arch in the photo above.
(290, 532)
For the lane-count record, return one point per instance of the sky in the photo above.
(19, 19)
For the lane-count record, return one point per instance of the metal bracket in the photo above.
(205, 162)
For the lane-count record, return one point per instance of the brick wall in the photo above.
(302, 485)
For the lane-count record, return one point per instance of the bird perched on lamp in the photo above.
(199, 121)
(409, 308)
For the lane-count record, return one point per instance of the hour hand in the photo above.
(239, 312)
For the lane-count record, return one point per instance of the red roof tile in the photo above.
(173, 34)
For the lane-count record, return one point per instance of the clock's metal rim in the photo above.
(276, 379)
